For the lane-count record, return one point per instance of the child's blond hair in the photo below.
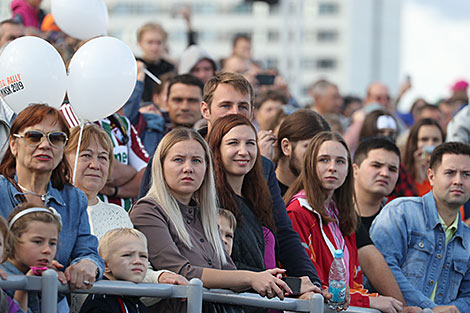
(230, 217)
(114, 234)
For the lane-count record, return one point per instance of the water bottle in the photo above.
(337, 281)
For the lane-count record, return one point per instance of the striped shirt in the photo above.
(130, 153)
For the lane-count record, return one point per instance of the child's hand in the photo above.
(172, 278)
(55, 265)
(3, 275)
(61, 277)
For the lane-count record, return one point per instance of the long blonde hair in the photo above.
(205, 196)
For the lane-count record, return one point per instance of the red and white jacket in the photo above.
(307, 223)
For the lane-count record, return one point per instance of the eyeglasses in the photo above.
(34, 137)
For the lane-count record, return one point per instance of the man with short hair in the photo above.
(184, 99)
(9, 31)
(423, 239)
(375, 165)
(231, 93)
(377, 93)
(327, 99)
(241, 46)
(227, 93)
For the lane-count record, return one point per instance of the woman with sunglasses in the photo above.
(34, 170)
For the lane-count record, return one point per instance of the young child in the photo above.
(227, 225)
(34, 236)
(124, 251)
(7, 304)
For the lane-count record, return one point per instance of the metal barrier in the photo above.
(49, 287)
(314, 305)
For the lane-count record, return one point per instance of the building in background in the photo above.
(348, 42)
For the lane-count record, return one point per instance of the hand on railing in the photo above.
(307, 286)
(445, 309)
(267, 284)
(81, 274)
(172, 279)
(415, 309)
(386, 304)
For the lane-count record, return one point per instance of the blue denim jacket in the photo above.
(412, 239)
(156, 126)
(75, 241)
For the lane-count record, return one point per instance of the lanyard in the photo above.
(303, 202)
(123, 306)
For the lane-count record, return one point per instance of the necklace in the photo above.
(43, 197)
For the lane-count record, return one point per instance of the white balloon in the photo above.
(82, 19)
(101, 77)
(31, 71)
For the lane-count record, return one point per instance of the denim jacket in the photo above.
(75, 241)
(155, 125)
(412, 239)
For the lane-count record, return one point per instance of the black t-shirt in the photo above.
(156, 69)
(367, 221)
(362, 236)
(283, 188)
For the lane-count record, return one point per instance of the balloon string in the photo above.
(153, 77)
(78, 152)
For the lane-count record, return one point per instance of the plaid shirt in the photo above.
(404, 186)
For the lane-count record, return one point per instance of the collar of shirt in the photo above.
(451, 229)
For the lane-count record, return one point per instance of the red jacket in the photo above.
(306, 223)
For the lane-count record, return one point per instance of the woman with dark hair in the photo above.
(424, 136)
(320, 204)
(34, 170)
(379, 123)
(242, 189)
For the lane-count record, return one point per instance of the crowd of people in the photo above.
(219, 173)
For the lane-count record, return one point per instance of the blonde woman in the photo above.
(93, 166)
(179, 218)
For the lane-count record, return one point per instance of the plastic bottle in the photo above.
(337, 281)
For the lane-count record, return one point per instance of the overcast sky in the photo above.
(435, 46)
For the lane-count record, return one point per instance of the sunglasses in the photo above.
(34, 137)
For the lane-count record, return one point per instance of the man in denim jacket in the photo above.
(423, 239)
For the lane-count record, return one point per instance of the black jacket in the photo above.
(96, 303)
(248, 242)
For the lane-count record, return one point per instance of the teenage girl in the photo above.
(320, 204)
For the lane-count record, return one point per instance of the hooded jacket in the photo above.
(26, 14)
(191, 56)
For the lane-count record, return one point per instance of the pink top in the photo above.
(338, 236)
(28, 13)
(269, 252)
